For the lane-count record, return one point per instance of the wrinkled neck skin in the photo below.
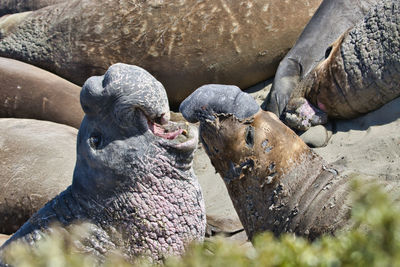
(361, 71)
(143, 189)
(139, 196)
(275, 181)
(330, 20)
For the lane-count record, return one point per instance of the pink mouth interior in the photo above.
(321, 106)
(161, 132)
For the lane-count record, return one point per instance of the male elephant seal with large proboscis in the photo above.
(361, 71)
(184, 44)
(332, 18)
(276, 182)
(133, 181)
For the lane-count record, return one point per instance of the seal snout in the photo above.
(212, 99)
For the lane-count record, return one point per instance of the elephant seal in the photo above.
(29, 92)
(133, 182)
(329, 22)
(37, 163)
(184, 44)
(360, 74)
(276, 182)
(16, 6)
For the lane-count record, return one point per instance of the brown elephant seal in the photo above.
(276, 182)
(37, 162)
(329, 22)
(29, 92)
(17, 6)
(360, 74)
(184, 44)
(133, 182)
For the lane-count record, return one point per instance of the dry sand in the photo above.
(369, 145)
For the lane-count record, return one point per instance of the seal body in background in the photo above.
(37, 163)
(30, 92)
(184, 44)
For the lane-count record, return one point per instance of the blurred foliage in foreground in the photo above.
(373, 240)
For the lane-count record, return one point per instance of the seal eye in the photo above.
(328, 52)
(95, 140)
(250, 136)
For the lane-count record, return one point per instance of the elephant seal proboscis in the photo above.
(329, 22)
(29, 92)
(361, 71)
(276, 182)
(133, 181)
(184, 44)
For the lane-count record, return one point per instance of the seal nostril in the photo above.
(95, 140)
(328, 52)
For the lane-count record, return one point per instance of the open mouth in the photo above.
(301, 115)
(166, 131)
(179, 135)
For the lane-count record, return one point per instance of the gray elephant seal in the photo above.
(29, 92)
(331, 20)
(133, 181)
(276, 182)
(184, 44)
(360, 74)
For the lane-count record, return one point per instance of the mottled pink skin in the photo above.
(301, 114)
(161, 132)
(307, 112)
(321, 106)
(171, 210)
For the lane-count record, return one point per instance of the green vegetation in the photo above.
(373, 240)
